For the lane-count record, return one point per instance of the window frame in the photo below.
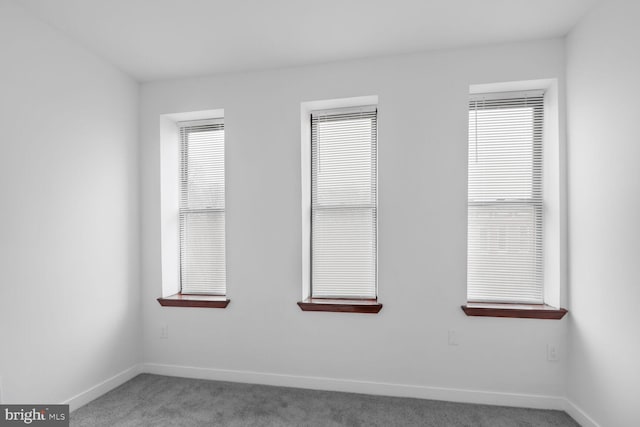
(309, 303)
(170, 183)
(554, 210)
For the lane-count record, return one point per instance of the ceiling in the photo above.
(164, 39)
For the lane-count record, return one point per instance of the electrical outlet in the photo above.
(453, 337)
(164, 332)
(552, 353)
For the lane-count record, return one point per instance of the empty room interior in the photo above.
(434, 201)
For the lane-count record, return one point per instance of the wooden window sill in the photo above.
(340, 305)
(202, 301)
(522, 311)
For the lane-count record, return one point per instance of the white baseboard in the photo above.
(365, 387)
(579, 415)
(105, 386)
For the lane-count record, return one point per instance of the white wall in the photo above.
(603, 71)
(69, 224)
(422, 232)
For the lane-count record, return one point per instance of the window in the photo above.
(505, 203)
(516, 235)
(343, 230)
(202, 248)
(201, 215)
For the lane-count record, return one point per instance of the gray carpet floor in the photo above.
(154, 400)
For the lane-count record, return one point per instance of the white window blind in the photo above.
(505, 205)
(202, 208)
(344, 203)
